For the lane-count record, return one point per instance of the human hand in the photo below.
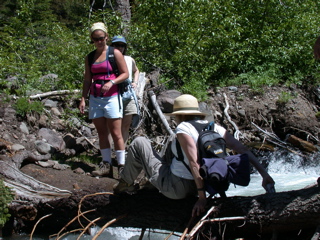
(199, 207)
(82, 106)
(268, 184)
(133, 84)
(106, 87)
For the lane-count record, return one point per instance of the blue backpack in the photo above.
(218, 169)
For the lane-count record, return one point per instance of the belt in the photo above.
(102, 82)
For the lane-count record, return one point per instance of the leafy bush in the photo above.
(5, 198)
(284, 98)
(23, 106)
(195, 44)
(199, 43)
(35, 43)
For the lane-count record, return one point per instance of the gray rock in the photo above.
(52, 138)
(75, 122)
(233, 89)
(17, 147)
(166, 99)
(49, 103)
(242, 112)
(43, 147)
(55, 111)
(79, 171)
(24, 128)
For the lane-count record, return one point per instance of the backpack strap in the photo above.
(202, 126)
(180, 155)
(199, 127)
(90, 58)
(110, 57)
(112, 61)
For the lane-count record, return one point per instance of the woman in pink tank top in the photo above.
(105, 106)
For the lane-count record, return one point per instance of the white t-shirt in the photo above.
(129, 63)
(177, 167)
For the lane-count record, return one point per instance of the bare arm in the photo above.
(237, 146)
(86, 85)
(122, 66)
(189, 147)
(136, 73)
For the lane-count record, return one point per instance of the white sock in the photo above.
(120, 154)
(106, 155)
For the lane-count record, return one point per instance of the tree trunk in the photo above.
(123, 7)
(277, 214)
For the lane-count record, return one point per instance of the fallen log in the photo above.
(301, 144)
(282, 214)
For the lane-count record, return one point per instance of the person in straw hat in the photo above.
(105, 104)
(174, 180)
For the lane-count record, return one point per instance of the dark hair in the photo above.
(186, 118)
(125, 48)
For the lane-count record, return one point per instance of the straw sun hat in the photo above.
(186, 105)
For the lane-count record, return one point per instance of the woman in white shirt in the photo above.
(173, 179)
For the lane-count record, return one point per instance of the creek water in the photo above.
(290, 172)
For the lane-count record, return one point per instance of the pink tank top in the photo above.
(102, 71)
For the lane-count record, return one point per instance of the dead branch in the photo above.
(271, 135)
(192, 232)
(88, 226)
(108, 224)
(159, 112)
(35, 226)
(27, 187)
(82, 199)
(316, 235)
(141, 85)
(72, 220)
(53, 93)
(237, 132)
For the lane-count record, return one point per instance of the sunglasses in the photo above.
(98, 39)
(119, 45)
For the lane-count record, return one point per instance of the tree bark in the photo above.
(265, 215)
(123, 7)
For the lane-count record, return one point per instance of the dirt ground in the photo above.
(69, 180)
(277, 110)
(295, 116)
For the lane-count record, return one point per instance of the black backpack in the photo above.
(123, 86)
(217, 168)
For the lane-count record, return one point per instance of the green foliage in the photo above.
(5, 198)
(215, 43)
(35, 43)
(284, 98)
(195, 44)
(23, 106)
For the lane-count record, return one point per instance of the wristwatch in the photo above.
(113, 83)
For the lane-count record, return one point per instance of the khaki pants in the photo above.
(142, 156)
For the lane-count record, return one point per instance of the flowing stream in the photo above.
(290, 172)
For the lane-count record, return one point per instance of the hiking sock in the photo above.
(120, 155)
(106, 155)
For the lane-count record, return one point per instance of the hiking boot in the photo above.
(116, 175)
(123, 187)
(105, 169)
(120, 168)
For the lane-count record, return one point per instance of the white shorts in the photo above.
(108, 107)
